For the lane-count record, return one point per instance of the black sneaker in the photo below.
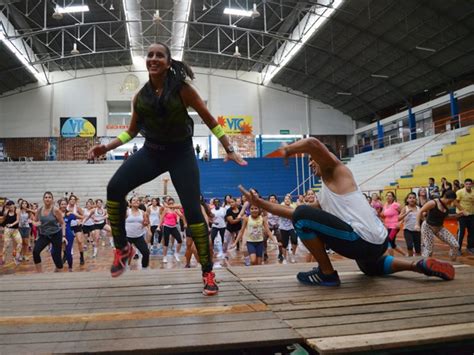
(280, 258)
(210, 286)
(433, 267)
(315, 277)
(121, 258)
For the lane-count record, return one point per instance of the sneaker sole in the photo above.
(443, 270)
(121, 271)
(209, 293)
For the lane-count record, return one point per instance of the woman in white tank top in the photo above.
(153, 213)
(135, 226)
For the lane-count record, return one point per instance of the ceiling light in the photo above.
(156, 17)
(344, 93)
(56, 14)
(379, 76)
(237, 53)
(426, 49)
(72, 9)
(441, 93)
(21, 57)
(74, 49)
(112, 8)
(255, 12)
(237, 12)
(305, 29)
(180, 28)
(204, 7)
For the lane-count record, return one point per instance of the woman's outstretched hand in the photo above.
(235, 157)
(96, 151)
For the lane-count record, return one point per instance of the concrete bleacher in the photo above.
(379, 168)
(29, 180)
(448, 164)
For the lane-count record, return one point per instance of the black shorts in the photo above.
(87, 229)
(99, 226)
(77, 229)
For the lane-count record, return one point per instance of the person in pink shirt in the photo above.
(390, 212)
(376, 204)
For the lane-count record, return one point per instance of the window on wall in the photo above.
(119, 113)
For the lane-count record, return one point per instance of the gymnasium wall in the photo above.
(36, 113)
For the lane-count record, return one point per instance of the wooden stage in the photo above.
(164, 311)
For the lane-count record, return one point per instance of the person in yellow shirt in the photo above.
(465, 198)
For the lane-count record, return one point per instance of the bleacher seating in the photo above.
(379, 168)
(446, 164)
(29, 180)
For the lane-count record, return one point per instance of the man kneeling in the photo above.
(343, 221)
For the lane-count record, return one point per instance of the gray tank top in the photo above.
(49, 224)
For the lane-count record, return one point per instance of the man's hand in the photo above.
(251, 195)
(284, 152)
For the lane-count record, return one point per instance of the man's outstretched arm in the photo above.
(273, 208)
(314, 147)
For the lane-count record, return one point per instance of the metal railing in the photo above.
(441, 125)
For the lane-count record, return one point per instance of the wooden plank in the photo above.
(394, 339)
(94, 282)
(188, 343)
(342, 309)
(385, 325)
(202, 301)
(342, 266)
(369, 300)
(132, 297)
(122, 316)
(253, 315)
(22, 296)
(177, 331)
(376, 316)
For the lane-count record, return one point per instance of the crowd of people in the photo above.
(150, 223)
(422, 216)
(159, 224)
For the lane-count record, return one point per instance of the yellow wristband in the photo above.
(124, 137)
(218, 131)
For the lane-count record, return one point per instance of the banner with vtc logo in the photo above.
(72, 127)
(236, 124)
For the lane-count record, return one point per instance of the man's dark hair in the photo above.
(449, 194)
(468, 180)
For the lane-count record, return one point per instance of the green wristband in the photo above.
(124, 137)
(218, 131)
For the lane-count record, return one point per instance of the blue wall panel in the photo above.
(267, 175)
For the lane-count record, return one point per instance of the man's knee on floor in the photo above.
(381, 266)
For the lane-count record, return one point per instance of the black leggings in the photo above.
(214, 232)
(167, 231)
(141, 245)
(413, 238)
(43, 241)
(313, 223)
(286, 236)
(147, 164)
